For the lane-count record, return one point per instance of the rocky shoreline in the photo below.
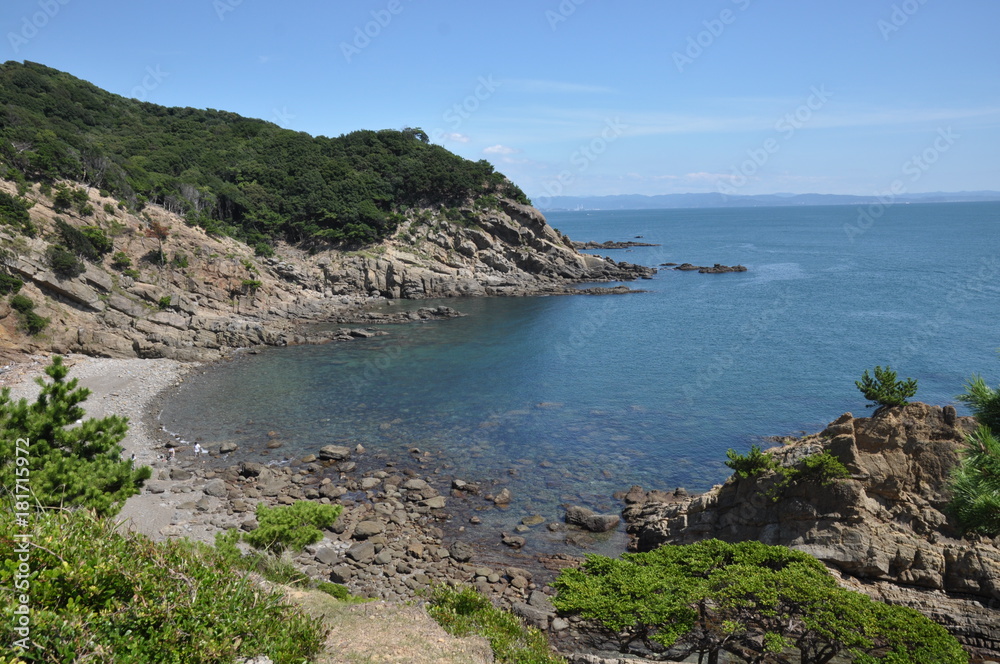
(401, 529)
(885, 530)
(209, 295)
(407, 522)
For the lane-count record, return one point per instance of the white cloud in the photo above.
(500, 149)
(455, 136)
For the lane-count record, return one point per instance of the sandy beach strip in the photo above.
(127, 387)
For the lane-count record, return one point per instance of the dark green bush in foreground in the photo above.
(975, 485)
(984, 401)
(103, 597)
(754, 602)
(464, 611)
(69, 464)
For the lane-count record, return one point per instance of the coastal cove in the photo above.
(567, 400)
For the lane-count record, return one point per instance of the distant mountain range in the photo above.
(714, 200)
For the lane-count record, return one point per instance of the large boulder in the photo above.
(590, 520)
(334, 453)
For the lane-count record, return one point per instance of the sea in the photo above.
(568, 400)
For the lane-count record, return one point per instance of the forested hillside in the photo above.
(228, 174)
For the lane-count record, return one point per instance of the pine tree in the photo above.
(884, 390)
(71, 461)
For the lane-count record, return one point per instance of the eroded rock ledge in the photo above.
(211, 294)
(885, 530)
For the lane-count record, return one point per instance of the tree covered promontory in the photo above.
(229, 174)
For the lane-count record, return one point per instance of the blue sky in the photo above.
(578, 97)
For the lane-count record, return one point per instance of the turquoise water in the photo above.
(569, 399)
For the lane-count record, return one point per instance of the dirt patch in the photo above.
(382, 633)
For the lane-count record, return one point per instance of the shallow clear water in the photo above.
(569, 399)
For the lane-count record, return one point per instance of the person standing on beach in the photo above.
(198, 450)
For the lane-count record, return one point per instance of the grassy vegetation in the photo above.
(97, 595)
(463, 612)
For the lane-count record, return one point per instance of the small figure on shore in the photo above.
(133, 457)
(198, 449)
(172, 453)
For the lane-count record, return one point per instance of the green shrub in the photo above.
(751, 465)
(975, 485)
(751, 601)
(21, 303)
(251, 285)
(164, 302)
(99, 595)
(85, 210)
(884, 390)
(13, 211)
(984, 401)
(121, 261)
(291, 526)
(109, 209)
(131, 272)
(335, 590)
(63, 199)
(263, 249)
(73, 461)
(33, 323)
(87, 241)
(98, 239)
(821, 468)
(464, 611)
(179, 261)
(9, 284)
(64, 262)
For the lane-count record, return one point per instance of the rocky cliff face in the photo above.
(506, 251)
(213, 294)
(885, 530)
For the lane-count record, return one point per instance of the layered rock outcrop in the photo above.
(212, 294)
(506, 251)
(885, 530)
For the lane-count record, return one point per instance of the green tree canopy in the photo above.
(228, 173)
(884, 391)
(755, 602)
(70, 461)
